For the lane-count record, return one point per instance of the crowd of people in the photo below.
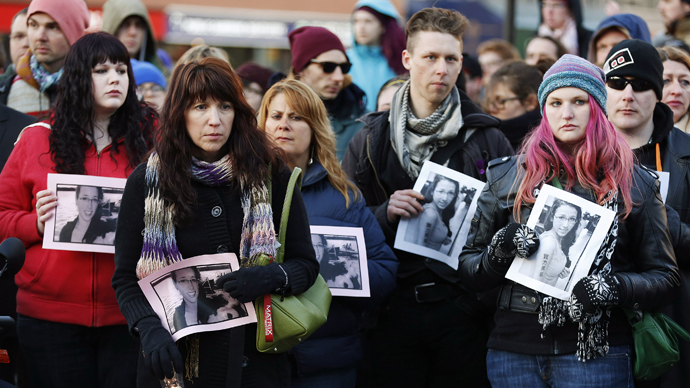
(207, 148)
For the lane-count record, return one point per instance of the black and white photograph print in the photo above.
(85, 218)
(440, 231)
(571, 230)
(342, 257)
(186, 298)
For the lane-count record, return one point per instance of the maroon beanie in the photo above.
(307, 43)
(71, 15)
(252, 72)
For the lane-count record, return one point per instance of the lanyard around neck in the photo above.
(658, 158)
(556, 183)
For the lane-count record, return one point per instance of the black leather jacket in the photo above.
(643, 258)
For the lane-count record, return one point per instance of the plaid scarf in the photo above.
(593, 329)
(42, 76)
(160, 247)
(427, 135)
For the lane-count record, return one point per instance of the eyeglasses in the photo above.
(619, 83)
(186, 282)
(329, 67)
(501, 104)
(92, 201)
(571, 220)
(157, 90)
(319, 246)
(444, 193)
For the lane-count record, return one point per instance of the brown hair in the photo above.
(436, 20)
(560, 49)
(250, 150)
(522, 79)
(308, 105)
(503, 48)
(669, 53)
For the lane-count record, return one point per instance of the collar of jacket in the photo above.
(663, 122)
(349, 102)
(315, 173)
(680, 27)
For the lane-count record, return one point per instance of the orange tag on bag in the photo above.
(4, 356)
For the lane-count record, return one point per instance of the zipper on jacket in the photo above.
(376, 175)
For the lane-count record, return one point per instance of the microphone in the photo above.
(12, 252)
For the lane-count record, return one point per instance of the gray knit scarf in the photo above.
(593, 329)
(431, 133)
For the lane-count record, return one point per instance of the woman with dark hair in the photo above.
(88, 227)
(585, 341)
(68, 318)
(203, 191)
(560, 231)
(377, 48)
(511, 96)
(442, 215)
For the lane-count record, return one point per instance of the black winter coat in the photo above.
(227, 358)
(643, 258)
(11, 125)
(372, 163)
(674, 146)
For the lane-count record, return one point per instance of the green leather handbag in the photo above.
(656, 343)
(286, 321)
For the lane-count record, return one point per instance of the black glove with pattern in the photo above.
(249, 283)
(514, 239)
(160, 352)
(595, 290)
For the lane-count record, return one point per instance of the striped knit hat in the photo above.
(573, 71)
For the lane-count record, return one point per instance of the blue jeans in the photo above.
(507, 369)
(64, 355)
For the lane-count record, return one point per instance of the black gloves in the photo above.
(595, 290)
(249, 283)
(514, 239)
(160, 351)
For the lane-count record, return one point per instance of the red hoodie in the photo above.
(58, 286)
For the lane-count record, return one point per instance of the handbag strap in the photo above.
(295, 180)
(635, 316)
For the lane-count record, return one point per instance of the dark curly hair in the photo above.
(72, 124)
(251, 152)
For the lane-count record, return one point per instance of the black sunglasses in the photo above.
(619, 83)
(329, 67)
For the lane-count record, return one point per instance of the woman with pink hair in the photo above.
(540, 341)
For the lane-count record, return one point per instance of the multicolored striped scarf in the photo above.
(160, 247)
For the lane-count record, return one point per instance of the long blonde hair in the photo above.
(307, 104)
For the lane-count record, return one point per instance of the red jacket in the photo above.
(58, 286)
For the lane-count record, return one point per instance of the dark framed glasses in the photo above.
(329, 67)
(619, 83)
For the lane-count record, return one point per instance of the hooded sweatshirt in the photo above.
(370, 69)
(116, 11)
(583, 34)
(632, 25)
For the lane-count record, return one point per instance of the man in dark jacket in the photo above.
(634, 84)
(432, 332)
(319, 60)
